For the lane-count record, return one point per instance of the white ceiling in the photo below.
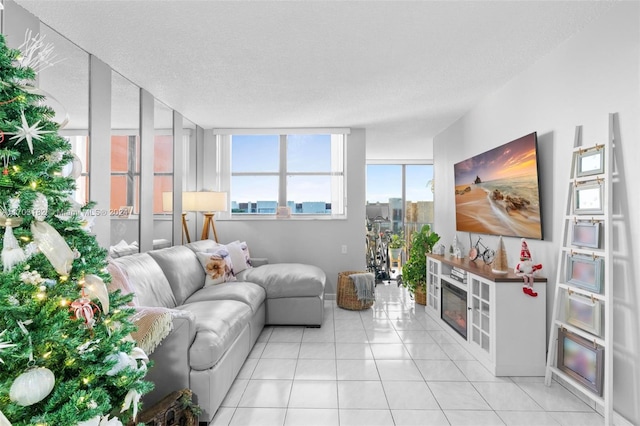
(402, 70)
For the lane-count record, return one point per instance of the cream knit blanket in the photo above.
(154, 324)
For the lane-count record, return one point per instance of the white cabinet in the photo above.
(433, 284)
(480, 313)
(505, 328)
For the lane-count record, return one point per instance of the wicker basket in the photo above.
(420, 295)
(347, 295)
(173, 409)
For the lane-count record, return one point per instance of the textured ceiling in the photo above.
(402, 70)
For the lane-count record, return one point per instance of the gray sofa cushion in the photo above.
(182, 269)
(148, 280)
(218, 324)
(249, 293)
(287, 279)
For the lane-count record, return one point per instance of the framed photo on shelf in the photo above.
(586, 234)
(584, 313)
(590, 162)
(581, 359)
(585, 272)
(587, 198)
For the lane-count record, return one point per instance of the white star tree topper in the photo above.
(29, 133)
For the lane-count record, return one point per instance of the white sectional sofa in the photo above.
(216, 326)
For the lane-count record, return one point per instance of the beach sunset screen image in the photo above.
(497, 191)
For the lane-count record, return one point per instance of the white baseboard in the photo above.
(329, 296)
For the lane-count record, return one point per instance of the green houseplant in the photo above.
(414, 272)
(397, 241)
(396, 244)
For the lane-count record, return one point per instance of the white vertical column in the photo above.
(100, 147)
(178, 172)
(147, 134)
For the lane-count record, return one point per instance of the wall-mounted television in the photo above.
(498, 191)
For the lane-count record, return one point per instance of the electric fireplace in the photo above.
(454, 308)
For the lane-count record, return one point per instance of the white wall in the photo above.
(390, 143)
(591, 75)
(317, 242)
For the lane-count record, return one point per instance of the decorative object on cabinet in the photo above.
(585, 272)
(499, 265)
(527, 269)
(414, 271)
(586, 233)
(581, 359)
(480, 250)
(585, 278)
(584, 312)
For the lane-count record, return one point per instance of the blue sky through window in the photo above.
(384, 181)
(260, 154)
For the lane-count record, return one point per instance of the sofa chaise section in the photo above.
(294, 291)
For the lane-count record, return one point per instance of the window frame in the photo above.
(223, 138)
(403, 166)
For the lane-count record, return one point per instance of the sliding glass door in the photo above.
(399, 197)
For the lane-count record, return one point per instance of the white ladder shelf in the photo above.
(586, 244)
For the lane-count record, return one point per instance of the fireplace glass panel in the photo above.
(454, 308)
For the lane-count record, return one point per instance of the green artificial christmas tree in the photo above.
(66, 356)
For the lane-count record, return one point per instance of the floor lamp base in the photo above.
(209, 223)
(185, 229)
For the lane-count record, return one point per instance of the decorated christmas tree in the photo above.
(66, 356)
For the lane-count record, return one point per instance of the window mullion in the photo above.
(282, 182)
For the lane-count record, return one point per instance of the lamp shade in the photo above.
(204, 201)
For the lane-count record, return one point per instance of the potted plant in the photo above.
(396, 245)
(414, 272)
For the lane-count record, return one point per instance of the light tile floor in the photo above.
(389, 365)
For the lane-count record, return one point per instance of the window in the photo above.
(80, 148)
(304, 172)
(401, 193)
(162, 170)
(125, 172)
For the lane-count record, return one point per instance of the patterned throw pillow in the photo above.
(217, 265)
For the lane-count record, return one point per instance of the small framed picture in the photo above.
(586, 234)
(588, 198)
(584, 313)
(590, 162)
(283, 212)
(581, 359)
(585, 272)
